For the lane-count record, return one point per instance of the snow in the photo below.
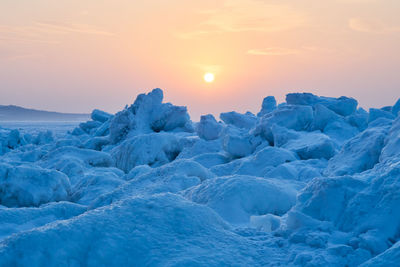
(359, 153)
(237, 197)
(312, 181)
(161, 230)
(25, 186)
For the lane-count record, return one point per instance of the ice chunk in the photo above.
(238, 197)
(359, 119)
(211, 159)
(323, 116)
(307, 145)
(302, 170)
(44, 138)
(100, 116)
(392, 142)
(208, 128)
(326, 198)
(378, 113)
(138, 171)
(153, 149)
(94, 183)
(373, 213)
(268, 105)
(25, 186)
(87, 157)
(292, 117)
(97, 143)
(343, 105)
(245, 121)
(358, 154)
(89, 126)
(238, 146)
(238, 143)
(148, 114)
(266, 223)
(103, 130)
(10, 139)
(340, 131)
(388, 258)
(256, 164)
(194, 146)
(396, 108)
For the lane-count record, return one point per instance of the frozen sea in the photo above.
(58, 128)
(313, 181)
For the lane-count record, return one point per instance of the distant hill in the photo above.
(16, 113)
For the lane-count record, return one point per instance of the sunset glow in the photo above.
(109, 51)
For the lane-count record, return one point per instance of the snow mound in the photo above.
(15, 220)
(358, 154)
(236, 198)
(139, 231)
(25, 186)
(174, 177)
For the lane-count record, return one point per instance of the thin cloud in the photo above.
(283, 51)
(24, 57)
(209, 68)
(248, 16)
(70, 28)
(273, 51)
(371, 26)
(43, 32)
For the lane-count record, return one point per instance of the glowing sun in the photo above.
(209, 77)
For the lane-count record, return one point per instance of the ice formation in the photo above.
(313, 181)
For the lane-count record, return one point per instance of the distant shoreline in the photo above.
(13, 113)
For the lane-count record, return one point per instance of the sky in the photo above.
(77, 55)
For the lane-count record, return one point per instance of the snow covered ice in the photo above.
(313, 181)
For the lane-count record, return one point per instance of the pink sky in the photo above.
(77, 55)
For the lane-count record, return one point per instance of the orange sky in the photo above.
(76, 55)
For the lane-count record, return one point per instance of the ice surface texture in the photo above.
(313, 181)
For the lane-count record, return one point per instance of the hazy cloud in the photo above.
(371, 26)
(282, 51)
(248, 15)
(70, 28)
(42, 32)
(273, 51)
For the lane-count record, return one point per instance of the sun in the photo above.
(209, 77)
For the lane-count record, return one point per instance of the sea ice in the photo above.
(313, 181)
